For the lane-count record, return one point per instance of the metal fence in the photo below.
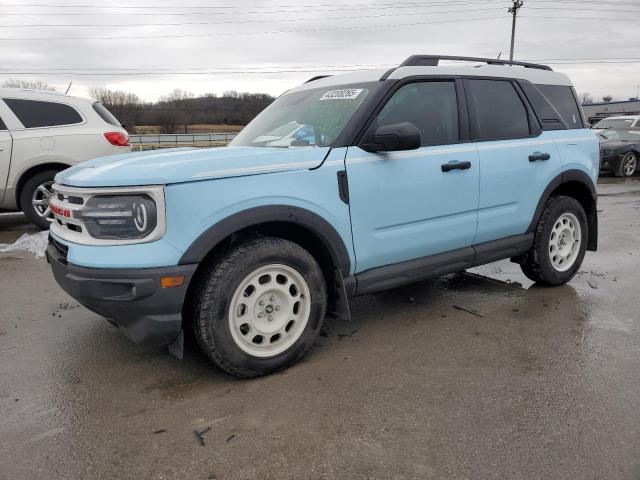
(149, 141)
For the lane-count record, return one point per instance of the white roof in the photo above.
(534, 75)
(43, 95)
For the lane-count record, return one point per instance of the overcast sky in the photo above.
(213, 46)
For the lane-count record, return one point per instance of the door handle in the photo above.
(535, 156)
(447, 167)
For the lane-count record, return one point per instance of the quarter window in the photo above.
(431, 106)
(34, 113)
(105, 114)
(2, 125)
(562, 98)
(497, 112)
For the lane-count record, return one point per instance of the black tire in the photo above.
(26, 195)
(538, 265)
(214, 293)
(629, 157)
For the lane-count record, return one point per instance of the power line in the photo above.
(335, 8)
(303, 30)
(279, 70)
(227, 34)
(239, 22)
(216, 7)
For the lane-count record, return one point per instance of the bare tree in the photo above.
(126, 106)
(585, 98)
(181, 103)
(30, 84)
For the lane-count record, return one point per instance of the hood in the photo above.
(614, 144)
(177, 165)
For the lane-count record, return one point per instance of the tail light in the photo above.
(118, 139)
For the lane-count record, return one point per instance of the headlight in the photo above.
(108, 216)
(119, 217)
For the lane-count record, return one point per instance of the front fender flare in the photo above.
(313, 222)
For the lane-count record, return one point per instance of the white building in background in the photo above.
(597, 111)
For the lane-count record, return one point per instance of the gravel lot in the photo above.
(477, 375)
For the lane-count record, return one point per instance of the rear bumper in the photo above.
(131, 299)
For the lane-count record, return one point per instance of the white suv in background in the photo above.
(43, 132)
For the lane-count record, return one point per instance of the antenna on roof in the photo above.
(499, 56)
(68, 88)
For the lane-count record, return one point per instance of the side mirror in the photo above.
(398, 136)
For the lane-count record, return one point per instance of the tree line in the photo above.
(173, 112)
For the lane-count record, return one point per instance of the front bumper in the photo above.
(609, 162)
(131, 299)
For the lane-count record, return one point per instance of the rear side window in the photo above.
(105, 114)
(497, 112)
(35, 113)
(562, 98)
(2, 125)
(431, 106)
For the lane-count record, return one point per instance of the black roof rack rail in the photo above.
(432, 61)
(317, 77)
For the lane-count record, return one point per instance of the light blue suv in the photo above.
(345, 185)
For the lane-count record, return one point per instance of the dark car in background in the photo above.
(619, 151)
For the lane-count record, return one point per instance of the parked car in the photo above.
(620, 151)
(623, 122)
(250, 246)
(43, 132)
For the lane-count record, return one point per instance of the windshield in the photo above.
(307, 118)
(614, 123)
(621, 135)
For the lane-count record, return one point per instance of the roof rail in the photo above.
(432, 61)
(317, 77)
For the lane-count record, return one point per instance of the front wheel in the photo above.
(259, 307)
(627, 165)
(34, 198)
(560, 242)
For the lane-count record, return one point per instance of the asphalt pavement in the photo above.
(470, 376)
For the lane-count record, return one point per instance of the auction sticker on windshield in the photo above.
(343, 94)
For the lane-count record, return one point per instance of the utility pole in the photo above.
(517, 4)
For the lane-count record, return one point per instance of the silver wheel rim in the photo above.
(40, 200)
(629, 164)
(269, 310)
(564, 242)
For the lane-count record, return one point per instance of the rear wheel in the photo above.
(627, 165)
(34, 198)
(560, 242)
(259, 307)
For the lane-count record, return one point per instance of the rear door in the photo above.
(517, 160)
(5, 156)
(412, 204)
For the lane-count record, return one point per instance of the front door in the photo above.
(411, 204)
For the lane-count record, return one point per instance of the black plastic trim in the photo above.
(390, 276)
(397, 274)
(592, 216)
(495, 250)
(270, 213)
(131, 299)
(343, 186)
